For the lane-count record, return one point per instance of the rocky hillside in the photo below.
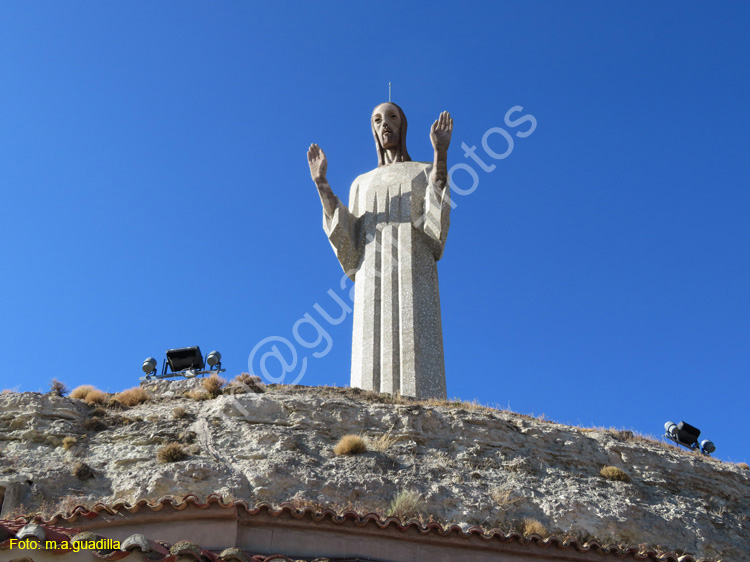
(451, 462)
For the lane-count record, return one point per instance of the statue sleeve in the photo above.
(436, 218)
(341, 230)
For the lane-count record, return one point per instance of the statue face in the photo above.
(386, 122)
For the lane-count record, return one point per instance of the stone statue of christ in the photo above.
(388, 241)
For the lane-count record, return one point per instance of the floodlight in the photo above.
(213, 359)
(149, 365)
(185, 358)
(670, 428)
(183, 362)
(687, 435)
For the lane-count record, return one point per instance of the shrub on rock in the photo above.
(80, 392)
(89, 394)
(131, 397)
(180, 413)
(614, 473)
(406, 505)
(58, 388)
(350, 445)
(82, 471)
(96, 397)
(213, 385)
(173, 452)
(534, 527)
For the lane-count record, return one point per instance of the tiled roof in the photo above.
(54, 529)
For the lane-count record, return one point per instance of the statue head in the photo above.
(389, 129)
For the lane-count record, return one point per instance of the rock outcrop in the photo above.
(459, 463)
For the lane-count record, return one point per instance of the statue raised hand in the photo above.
(316, 158)
(440, 132)
(440, 135)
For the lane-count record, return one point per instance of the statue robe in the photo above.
(388, 242)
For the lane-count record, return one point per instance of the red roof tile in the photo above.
(156, 551)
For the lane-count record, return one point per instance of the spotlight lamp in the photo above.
(149, 366)
(214, 359)
(687, 435)
(185, 362)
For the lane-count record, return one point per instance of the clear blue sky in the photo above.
(155, 193)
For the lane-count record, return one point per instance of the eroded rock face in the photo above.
(471, 466)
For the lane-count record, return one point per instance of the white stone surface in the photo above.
(388, 241)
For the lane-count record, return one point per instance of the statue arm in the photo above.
(437, 205)
(341, 229)
(339, 224)
(436, 218)
(327, 198)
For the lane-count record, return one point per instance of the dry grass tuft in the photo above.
(622, 434)
(96, 397)
(534, 527)
(173, 452)
(245, 382)
(382, 443)
(246, 378)
(69, 442)
(80, 392)
(350, 445)
(505, 499)
(57, 388)
(131, 397)
(95, 423)
(82, 471)
(614, 473)
(406, 505)
(743, 465)
(213, 385)
(89, 394)
(180, 413)
(187, 437)
(198, 394)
